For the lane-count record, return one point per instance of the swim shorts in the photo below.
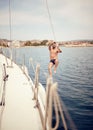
(53, 61)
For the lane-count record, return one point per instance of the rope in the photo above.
(2, 103)
(52, 97)
(4, 86)
(67, 115)
(1, 117)
(72, 125)
(61, 111)
(36, 84)
(3, 93)
(49, 82)
(32, 64)
(31, 61)
(50, 20)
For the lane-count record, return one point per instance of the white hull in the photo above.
(18, 113)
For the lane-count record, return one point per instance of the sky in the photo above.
(30, 20)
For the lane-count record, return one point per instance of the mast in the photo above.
(10, 19)
(10, 43)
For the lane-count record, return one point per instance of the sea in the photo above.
(74, 77)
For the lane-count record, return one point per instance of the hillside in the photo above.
(75, 43)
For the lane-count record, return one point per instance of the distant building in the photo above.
(16, 43)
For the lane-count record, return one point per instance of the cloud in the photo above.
(22, 17)
(67, 16)
(76, 12)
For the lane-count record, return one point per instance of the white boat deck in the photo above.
(19, 112)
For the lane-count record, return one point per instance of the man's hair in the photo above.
(53, 44)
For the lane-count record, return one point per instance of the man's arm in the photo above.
(59, 50)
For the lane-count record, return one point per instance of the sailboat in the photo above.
(25, 104)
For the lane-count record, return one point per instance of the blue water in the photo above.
(74, 76)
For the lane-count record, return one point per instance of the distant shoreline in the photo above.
(67, 46)
(72, 45)
(36, 43)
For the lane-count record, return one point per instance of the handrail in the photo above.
(1, 80)
(4, 86)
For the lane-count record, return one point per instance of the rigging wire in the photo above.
(50, 20)
(10, 33)
(10, 19)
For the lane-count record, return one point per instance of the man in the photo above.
(54, 50)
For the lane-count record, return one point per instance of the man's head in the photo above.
(52, 45)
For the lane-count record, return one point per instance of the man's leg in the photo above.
(56, 64)
(50, 68)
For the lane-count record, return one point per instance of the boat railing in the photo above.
(53, 102)
(36, 84)
(45, 106)
(1, 80)
(3, 87)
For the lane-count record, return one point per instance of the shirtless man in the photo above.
(54, 50)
